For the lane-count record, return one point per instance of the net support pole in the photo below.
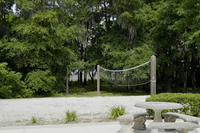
(98, 81)
(153, 75)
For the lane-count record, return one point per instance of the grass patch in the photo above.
(91, 91)
(71, 117)
(33, 120)
(115, 112)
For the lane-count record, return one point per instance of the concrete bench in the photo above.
(129, 122)
(184, 126)
(171, 117)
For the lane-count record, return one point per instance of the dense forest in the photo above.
(44, 41)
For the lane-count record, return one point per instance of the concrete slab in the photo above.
(104, 127)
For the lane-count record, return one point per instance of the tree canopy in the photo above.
(44, 41)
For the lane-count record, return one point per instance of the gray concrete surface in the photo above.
(104, 127)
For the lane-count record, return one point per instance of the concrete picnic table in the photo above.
(158, 107)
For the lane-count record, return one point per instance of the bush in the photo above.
(115, 112)
(40, 81)
(11, 85)
(190, 102)
(71, 117)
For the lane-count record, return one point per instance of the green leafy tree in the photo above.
(43, 38)
(120, 41)
(177, 50)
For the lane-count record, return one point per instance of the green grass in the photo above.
(91, 91)
(33, 120)
(71, 117)
(115, 112)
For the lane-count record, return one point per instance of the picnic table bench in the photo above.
(129, 122)
(171, 117)
(184, 126)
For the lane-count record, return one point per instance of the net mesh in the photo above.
(135, 76)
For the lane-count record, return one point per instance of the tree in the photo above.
(173, 33)
(42, 39)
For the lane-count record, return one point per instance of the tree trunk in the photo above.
(67, 83)
(134, 89)
(128, 88)
(186, 63)
(193, 66)
(78, 76)
(81, 78)
(193, 81)
(81, 71)
(85, 78)
(107, 18)
(110, 87)
(185, 81)
(92, 77)
(169, 85)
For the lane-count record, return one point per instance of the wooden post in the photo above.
(98, 81)
(153, 75)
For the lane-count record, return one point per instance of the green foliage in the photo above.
(71, 117)
(40, 81)
(11, 84)
(115, 112)
(33, 120)
(79, 34)
(174, 24)
(27, 5)
(190, 102)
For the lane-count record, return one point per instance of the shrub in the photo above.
(71, 117)
(11, 84)
(190, 102)
(40, 81)
(115, 112)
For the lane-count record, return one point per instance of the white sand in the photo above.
(53, 110)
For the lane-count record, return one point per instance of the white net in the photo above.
(135, 76)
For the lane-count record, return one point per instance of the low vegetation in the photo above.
(71, 116)
(189, 101)
(90, 90)
(115, 112)
(33, 120)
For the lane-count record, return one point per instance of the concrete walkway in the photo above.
(108, 127)
(104, 127)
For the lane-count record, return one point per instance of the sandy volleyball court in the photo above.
(15, 112)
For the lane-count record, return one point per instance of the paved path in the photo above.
(104, 127)
(109, 127)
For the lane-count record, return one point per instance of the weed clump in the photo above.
(71, 117)
(115, 112)
(33, 120)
